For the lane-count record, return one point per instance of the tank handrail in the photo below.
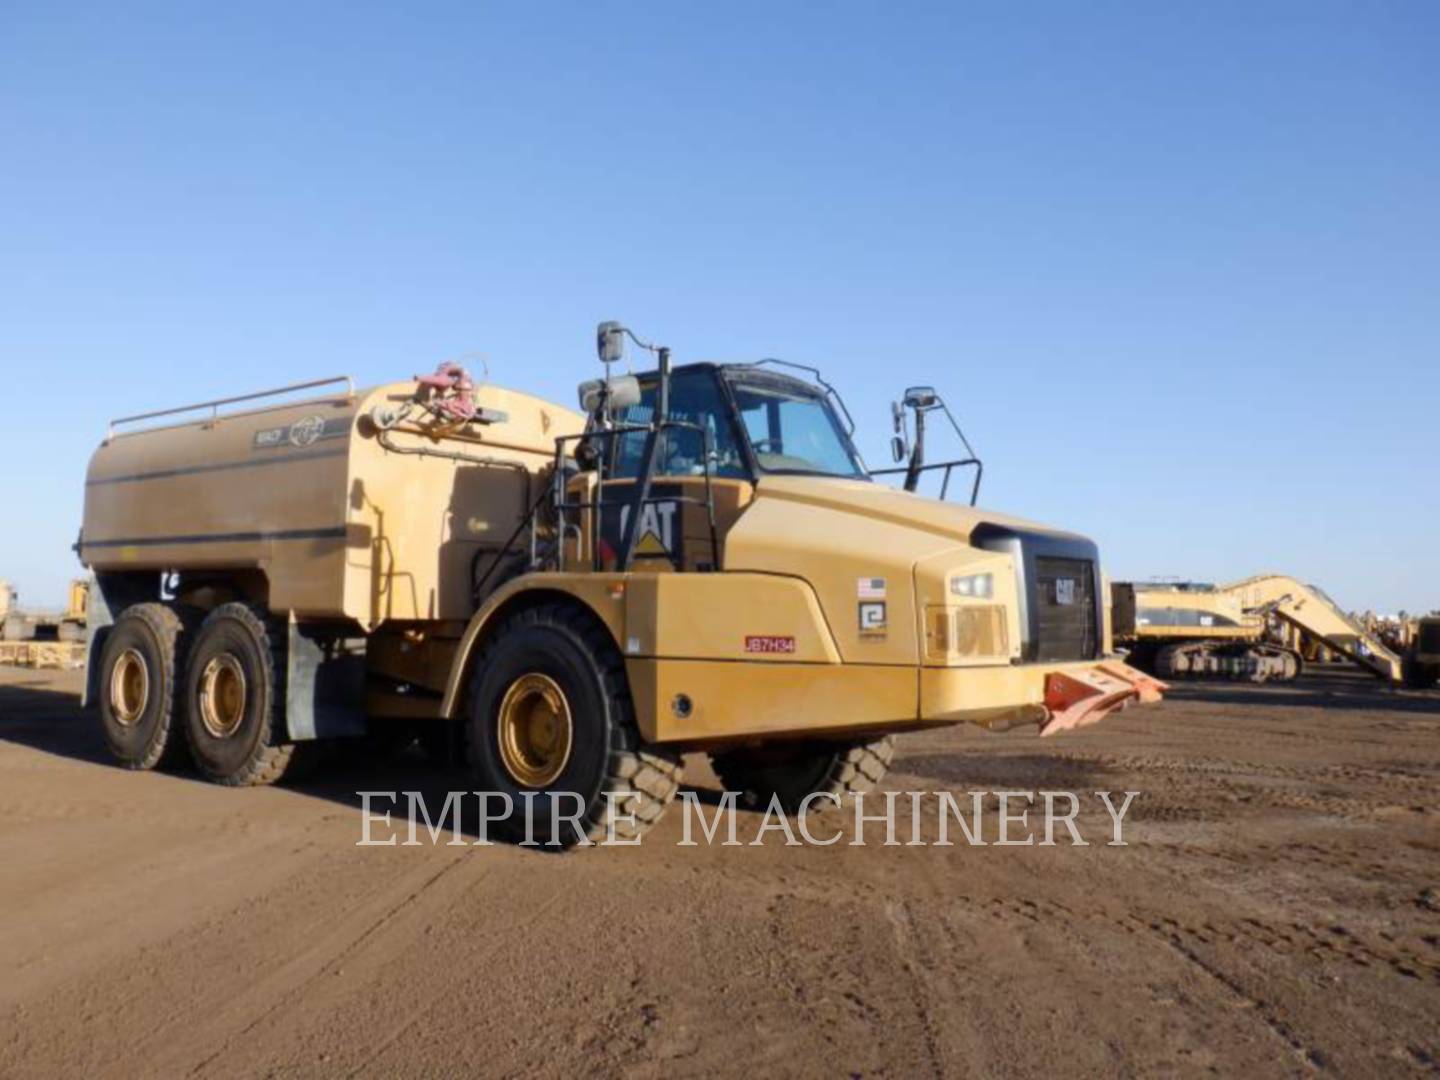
(214, 406)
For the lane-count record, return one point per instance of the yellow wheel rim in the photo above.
(129, 687)
(222, 696)
(536, 731)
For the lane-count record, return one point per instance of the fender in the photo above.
(755, 618)
(602, 594)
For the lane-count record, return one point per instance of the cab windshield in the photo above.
(787, 427)
(791, 428)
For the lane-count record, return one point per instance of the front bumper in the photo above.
(701, 702)
(1055, 696)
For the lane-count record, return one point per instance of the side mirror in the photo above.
(610, 342)
(624, 391)
(922, 397)
(899, 442)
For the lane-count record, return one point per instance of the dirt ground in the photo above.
(1276, 911)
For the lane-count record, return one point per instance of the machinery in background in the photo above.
(1256, 629)
(1420, 642)
(17, 624)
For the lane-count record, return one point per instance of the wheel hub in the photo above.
(129, 687)
(536, 731)
(222, 696)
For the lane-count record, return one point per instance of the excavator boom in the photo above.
(1308, 608)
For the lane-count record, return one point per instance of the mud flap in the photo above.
(98, 621)
(324, 684)
(1077, 698)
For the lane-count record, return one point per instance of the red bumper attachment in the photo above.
(1077, 698)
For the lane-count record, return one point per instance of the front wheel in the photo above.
(790, 772)
(551, 726)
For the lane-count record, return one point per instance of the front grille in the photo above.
(1056, 576)
(1064, 597)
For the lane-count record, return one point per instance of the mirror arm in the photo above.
(662, 396)
(917, 453)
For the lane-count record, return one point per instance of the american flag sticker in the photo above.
(871, 588)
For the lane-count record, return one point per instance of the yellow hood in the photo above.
(883, 503)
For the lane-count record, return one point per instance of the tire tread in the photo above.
(642, 778)
(272, 758)
(851, 769)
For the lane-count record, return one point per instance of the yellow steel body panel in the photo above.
(205, 495)
(691, 634)
(1131, 602)
(735, 700)
(424, 517)
(841, 534)
(684, 634)
(728, 701)
(967, 631)
(342, 526)
(727, 616)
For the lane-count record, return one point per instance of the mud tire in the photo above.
(155, 633)
(794, 772)
(256, 752)
(623, 783)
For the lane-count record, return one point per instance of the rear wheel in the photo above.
(791, 772)
(139, 668)
(550, 724)
(235, 699)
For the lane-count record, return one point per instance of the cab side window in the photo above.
(695, 398)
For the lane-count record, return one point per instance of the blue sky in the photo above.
(1176, 265)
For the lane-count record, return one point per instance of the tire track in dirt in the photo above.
(907, 936)
(1274, 913)
(544, 908)
(326, 963)
(1308, 1056)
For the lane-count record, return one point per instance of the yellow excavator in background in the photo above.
(1420, 640)
(1239, 630)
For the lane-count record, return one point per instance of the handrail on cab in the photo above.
(214, 406)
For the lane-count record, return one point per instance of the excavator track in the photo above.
(1256, 662)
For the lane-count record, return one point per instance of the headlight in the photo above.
(980, 586)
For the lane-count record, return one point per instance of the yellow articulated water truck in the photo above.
(696, 560)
